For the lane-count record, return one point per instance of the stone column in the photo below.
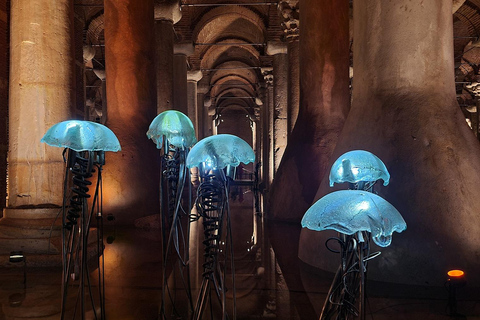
(166, 15)
(324, 103)
(192, 78)
(210, 113)
(280, 99)
(4, 27)
(131, 179)
(181, 52)
(290, 25)
(267, 73)
(41, 82)
(405, 111)
(203, 119)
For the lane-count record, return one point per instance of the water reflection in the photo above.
(271, 281)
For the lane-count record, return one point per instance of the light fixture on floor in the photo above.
(18, 257)
(456, 279)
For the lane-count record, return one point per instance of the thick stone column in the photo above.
(166, 15)
(181, 52)
(210, 113)
(203, 119)
(192, 78)
(4, 31)
(280, 99)
(324, 103)
(267, 73)
(290, 25)
(41, 81)
(404, 110)
(131, 176)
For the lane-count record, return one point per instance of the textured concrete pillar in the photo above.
(192, 78)
(41, 81)
(405, 111)
(181, 52)
(131, 176)
(280, 99)
(324, 103)
(166, 15)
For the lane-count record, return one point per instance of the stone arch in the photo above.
(229, 22)
(214, 55)
(95, 29)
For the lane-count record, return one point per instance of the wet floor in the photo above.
(271, 282)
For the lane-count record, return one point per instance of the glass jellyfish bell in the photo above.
(175, 126)
(80, 135)
(350, 211)
(358, 165)
(220, 151)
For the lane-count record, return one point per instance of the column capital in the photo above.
(194, 75)
(185, 48)
(267, 73)
(290, 12)
(168, 10)
(276, 47)
(457, 4)
(100, 73)
(203, 88)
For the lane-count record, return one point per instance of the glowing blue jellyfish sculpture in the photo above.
(212, 156)
(86, 143)
(80, 135)
(351, 211)
(356, 166)
(175, 126)
(219, 151)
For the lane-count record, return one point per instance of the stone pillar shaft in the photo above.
(324, 103)
(4, 23)
(41, 95)
(41, 81)
(131, 176)
(280, 102)
(271, 135)
(181, 52)
(192, 79)
(180, 83)
(293, 83)
(164, 38)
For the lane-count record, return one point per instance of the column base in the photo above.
(38, 234)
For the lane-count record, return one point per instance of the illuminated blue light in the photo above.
(81, 135)
(358, 165)
(350, 211)
(175, 126)
(219, 151)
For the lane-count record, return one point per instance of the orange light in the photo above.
(456, 273)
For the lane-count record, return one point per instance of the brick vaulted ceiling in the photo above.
(232, 35)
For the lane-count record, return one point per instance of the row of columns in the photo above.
(42, 68)
(41, 94)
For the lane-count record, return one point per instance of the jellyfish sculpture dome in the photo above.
(350, 211)
(219, 151)
(81, 135)
(175, 126)
(356, 166)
